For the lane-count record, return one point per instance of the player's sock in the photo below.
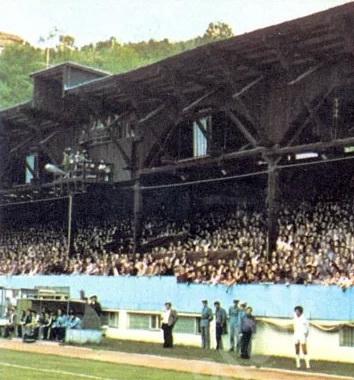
(307, 361)
(297, 359)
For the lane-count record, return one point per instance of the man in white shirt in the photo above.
(301, 332)
(169, 319)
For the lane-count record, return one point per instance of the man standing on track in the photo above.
(234, 319)
(248, 328)
(205, 318)
(301, 332)
(169, 319)
(220, 323)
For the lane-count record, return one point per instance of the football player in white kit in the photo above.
(301, 332)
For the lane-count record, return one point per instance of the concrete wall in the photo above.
(146, 296)
(150, 293)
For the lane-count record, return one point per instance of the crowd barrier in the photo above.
(150, 294)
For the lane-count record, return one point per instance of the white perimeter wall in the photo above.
(268, 341)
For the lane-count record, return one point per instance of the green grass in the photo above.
(27, 366)
(343, 369)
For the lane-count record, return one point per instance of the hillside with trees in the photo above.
(18, 61)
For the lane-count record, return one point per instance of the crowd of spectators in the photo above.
(315, 246)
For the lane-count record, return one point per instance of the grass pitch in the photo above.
(27, 366)
(184, 352)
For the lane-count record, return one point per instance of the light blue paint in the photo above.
(83, 336)
(150, 294)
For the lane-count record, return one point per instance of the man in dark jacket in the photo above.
(220, 324)
(248, 328)
(96, 305)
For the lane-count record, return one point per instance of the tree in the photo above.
(217, 31)
(66, 42)
(17, 62)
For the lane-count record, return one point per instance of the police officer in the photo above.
(234, 320)
(205, 318)
(242, 312)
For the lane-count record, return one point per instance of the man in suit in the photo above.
(169, 319)
(205, 318)
(220, 324)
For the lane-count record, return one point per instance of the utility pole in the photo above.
(47, 57)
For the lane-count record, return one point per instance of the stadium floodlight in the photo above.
(306, 155)
(50, 168)
(349, 149)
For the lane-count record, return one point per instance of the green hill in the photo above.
(18, 61)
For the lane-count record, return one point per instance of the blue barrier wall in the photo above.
(150, 293)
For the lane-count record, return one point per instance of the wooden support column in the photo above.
(272, 207)
(137, 196)
(70, 222)
(137, 211)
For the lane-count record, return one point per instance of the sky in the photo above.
(91, 21)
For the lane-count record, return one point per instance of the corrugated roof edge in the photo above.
(18, 105)
(330, 12)
(72, 64)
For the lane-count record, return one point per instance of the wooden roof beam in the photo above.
(36, 117)
(121, 150)
(49, 137)
(317, 147)
(152, 114)
(199, 100)
(314, 109)
(22, 144)
(271, 152)
(242, 128)
(305, 74)
(203, 161)
(119, 118)
(247, 87)
(161, 142)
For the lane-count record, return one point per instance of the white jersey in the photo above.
(301, 328)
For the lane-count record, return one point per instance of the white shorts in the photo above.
(300, 339)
